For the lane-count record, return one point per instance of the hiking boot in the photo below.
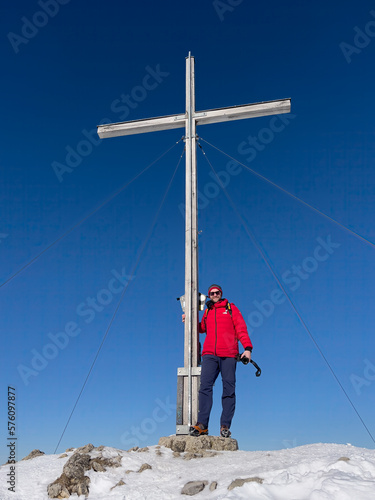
(198, 430)
(225, 432)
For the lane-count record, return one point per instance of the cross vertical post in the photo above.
(191, 381)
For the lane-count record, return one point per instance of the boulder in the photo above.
(33, 454)
(193, 444)
(77, 464)
(73, 479)
(240, 482)
(213, 485)
(85, 449)
(144, 467)
(193, 487)
(100, 464)
(59, 488)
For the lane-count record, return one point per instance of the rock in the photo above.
(85, 449)
(193, 487)
(197, 444)
(343, 459)
(213, 486)
(176, 454)
(206, 453)
(144, 467)
(100, 448)
(178, 445)
(33, 454)
(189, 455)
(143, 449)
(201, 454)
(63, 455)
(120, 483)
(69, 449)
(97, 466)
(159, 453)
(100, 463)
(129, 471)
(81, 486)
(165, 441)
(73, 479)
(59, 488)
(135, 448)
(240, 482)
(77, 464)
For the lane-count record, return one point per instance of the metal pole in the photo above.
(194, 251)
(188, 240)
(188, 377)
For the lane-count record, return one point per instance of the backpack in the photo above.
(228, 308)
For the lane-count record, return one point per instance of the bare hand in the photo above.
(183, 318)
(246, 354)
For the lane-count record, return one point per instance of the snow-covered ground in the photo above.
(311, 472)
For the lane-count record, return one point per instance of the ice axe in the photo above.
(246, 360)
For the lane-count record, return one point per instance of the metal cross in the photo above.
(188, 377)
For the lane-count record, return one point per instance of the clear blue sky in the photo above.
(65, 71)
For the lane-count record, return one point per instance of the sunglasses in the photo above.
(215, 293)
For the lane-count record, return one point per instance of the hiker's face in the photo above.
(215, 295)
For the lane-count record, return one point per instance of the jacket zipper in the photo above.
(215, 332)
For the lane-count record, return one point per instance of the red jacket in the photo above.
(223, 330)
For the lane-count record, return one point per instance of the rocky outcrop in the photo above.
(85, 449)
(194, 445)
(144, 467)
(240, 482)
(33, 454)
(73, 479)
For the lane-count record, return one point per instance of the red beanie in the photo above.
(215, 286)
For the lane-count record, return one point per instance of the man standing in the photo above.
(224, 327)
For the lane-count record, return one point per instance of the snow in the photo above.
(310, 472)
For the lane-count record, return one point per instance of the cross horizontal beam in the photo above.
(201, 118)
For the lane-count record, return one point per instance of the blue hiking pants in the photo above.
(211, 367)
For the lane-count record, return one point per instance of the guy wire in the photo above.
(148, 236)
(291, 195)
(88, 216)
(258, 247)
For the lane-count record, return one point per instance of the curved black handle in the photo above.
(259, 371)
(246, 360)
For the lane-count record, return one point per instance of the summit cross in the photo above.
(188, 377)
